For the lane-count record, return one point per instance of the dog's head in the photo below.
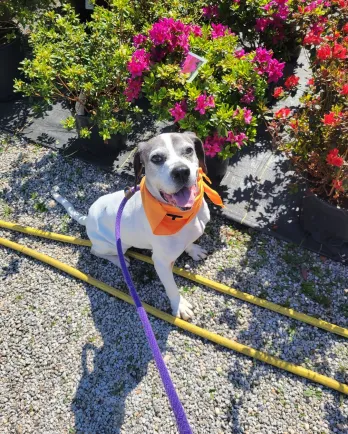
(171, 163)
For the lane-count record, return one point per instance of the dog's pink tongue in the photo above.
(185, 197)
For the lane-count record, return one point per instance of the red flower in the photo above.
(312, 39)
(339, 51)
(342, 3)
(331, 118)
(310, 82)
(291, 81)
(333, 158)
(278, 92)
(324, 52)
(294, 124)
(344, 90)
(283, 113)
(337, 185)
(345, 28)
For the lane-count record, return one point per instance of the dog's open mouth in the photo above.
(183, 199)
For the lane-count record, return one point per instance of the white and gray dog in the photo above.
(171, 162)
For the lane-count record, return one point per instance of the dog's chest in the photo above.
(193, 230)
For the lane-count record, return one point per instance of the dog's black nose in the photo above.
(181, 174)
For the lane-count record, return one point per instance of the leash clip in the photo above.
(128, 192)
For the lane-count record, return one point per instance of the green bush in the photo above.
(82, 63)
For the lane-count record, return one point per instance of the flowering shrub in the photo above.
(222, 102)
(316, 133)
(268, 23)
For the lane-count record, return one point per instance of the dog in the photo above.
(172, 162)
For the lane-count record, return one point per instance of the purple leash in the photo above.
(178, 409)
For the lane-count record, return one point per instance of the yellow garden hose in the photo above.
(214, 337)
(195, 278)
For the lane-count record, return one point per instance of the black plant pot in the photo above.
(327, 224)
(10, 56)
(295, 53)
(84, 13)
(95, 144)
(217, 168)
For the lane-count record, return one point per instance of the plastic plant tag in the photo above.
(89, 5)
(191, 65)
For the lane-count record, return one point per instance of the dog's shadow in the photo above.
(111, 369)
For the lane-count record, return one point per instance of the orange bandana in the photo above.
(166, 219)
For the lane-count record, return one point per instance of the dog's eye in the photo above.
(157, 159)
(188, 151)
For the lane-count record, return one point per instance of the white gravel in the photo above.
(75, 360)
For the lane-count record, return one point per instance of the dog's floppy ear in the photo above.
(199, 149)
(137, 166)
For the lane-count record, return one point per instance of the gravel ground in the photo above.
(74, 360)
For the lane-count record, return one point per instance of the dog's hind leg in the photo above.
(112, 258)
(105, 250)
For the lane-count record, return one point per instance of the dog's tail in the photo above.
(82, 219)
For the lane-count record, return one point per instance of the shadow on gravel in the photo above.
(119, 365)
(10, 270)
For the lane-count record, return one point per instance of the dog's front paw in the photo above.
(182, 308)
(196, 252)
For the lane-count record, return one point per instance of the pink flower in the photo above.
(248, 97)
(219, 31)
(139, 63)
(196, 30)
(239, 53)
(178, 111)
(172, 34)
(248, 116)
(133, 90)
(160, 31)
(266, 64)
(240, 138)
(139, 39)
(262, 55)
(237, 139)
(262, 24)
(213, 145)
(275, 70)
(203, 102)
(210, 11)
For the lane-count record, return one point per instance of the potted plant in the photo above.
(13, 13)
(269, 23)
(84, 65)
(198, 78)
(315, 135)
